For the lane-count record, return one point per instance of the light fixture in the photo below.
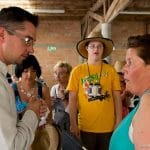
(135, 12)
(48, 11)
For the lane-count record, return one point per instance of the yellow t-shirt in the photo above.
(95, 116)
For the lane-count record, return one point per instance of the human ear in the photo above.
(1, 34)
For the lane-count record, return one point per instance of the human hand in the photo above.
(75, 130)
(43, 119)
(38, 106)
(43, 108)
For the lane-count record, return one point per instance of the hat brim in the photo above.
(81, 48)
(53, 134)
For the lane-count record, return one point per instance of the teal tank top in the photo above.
(120, 139)
(22, 105)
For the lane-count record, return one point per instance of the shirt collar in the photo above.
(3, 68)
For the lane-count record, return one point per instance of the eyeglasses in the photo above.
(27, 40)
(95, 47)
(60, 74)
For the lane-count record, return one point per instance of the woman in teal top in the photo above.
(133, 133)
(120, 139)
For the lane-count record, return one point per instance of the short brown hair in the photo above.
(142, 44)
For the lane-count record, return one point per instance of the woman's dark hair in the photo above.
(142, 44)
(30, 61)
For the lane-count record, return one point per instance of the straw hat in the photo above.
(46, 138)
(119, 66)
(54, 136)
(95, 36)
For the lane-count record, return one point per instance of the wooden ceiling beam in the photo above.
(93, 15)
(97, 5)
(97, 28)
(113, 11)
(96, 16)
(116, 7)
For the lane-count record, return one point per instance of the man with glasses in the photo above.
(17, 36)
(94, 92)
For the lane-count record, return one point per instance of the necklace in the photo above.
(29, 93)
(100, 71)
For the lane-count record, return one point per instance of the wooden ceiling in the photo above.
(86, 11)
(74, 9)
(78, 9)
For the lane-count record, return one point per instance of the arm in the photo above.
(53, 91)
(16, 134)
(118, 107)
(73, 113)
(141, 125)
(46, 97)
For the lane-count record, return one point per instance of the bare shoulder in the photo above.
(144, 106)
(45, 87)
(141, 122)
(145, 100)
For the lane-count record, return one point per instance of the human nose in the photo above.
(29, 73)
(30, 49)
(57, 76)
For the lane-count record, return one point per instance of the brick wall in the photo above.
(121, 30)
(64, 35)
(56, 40)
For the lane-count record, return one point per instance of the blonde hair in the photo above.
(63, 64)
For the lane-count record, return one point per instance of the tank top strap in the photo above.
(40, 94)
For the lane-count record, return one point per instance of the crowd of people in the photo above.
(93, 101)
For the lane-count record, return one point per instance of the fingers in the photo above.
(43, 109)
(32, 98)
(75, 131)
(38, 106)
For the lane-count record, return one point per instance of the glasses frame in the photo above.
(27, 40)
(92, 47)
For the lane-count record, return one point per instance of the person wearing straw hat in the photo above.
(94, 92)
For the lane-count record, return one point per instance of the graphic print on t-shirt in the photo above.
(92, 88)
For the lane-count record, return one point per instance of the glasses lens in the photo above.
(95, 47)
(28, 41)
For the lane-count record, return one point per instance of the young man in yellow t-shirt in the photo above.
(94, 91)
